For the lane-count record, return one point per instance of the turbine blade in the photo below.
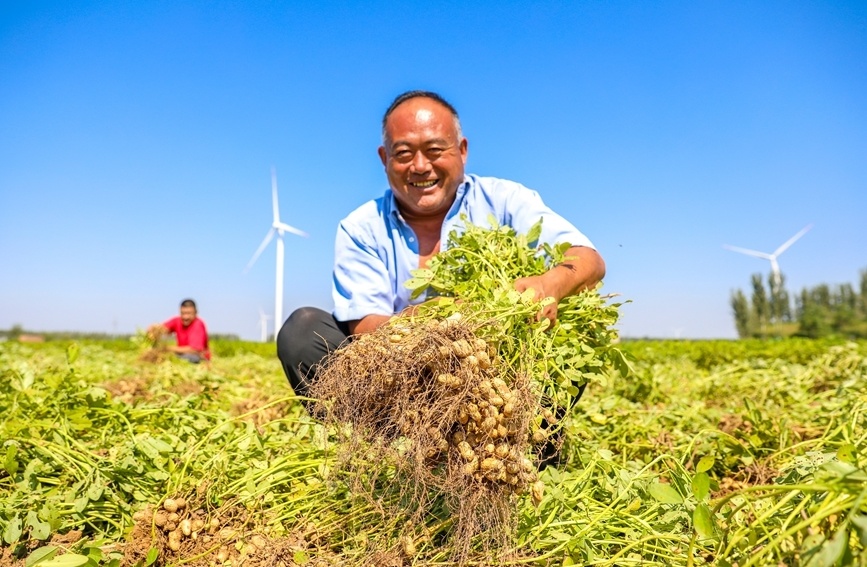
(792, 240)
(262, 246)
(274, 203)
(292, 229)
(748, 252)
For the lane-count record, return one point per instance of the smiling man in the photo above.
(377, 245)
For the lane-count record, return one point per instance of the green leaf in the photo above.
(94, 553)
(415, 283)
(844, 470)
(620, 363)
(97, 396)
(78, 419)
(702, 520)
(72, 352)
(604, 454)
(665, 493)
(153, 554)
(700, 486)
(153, 447)
(10, 463)
(300, 557)
(846, 453)
(705, 464)
(38, 529)
(159, 476)
(831, 551)
(43, 553)
(810, 546)
(12, 531)
(66, 560)
(94, 491)
(860, 523)
(80, 504)
(534, 233)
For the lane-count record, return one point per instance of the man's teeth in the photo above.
(424, 184)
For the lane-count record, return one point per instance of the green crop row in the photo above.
(710, 452)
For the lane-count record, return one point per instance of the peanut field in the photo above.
(706, 453)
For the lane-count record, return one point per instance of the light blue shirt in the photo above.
(375, 249)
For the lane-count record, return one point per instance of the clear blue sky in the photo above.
(137, 138)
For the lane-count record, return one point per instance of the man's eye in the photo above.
(434, 152)
(403, 155)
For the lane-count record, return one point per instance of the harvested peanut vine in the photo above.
(449, 408)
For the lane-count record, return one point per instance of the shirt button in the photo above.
(411, 239)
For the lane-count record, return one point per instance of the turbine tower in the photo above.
(279, 228)
(775, 266)
(263, 324)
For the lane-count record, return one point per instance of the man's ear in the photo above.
(382, 155)
(464, 148)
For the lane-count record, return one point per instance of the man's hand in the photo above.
(370, 323)
(582, 269)
(542, 289)
(367, 324)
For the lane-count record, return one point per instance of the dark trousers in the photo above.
(308, 336)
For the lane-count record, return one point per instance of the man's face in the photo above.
(423, 158)
(187, 315)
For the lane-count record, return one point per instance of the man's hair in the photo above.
(189, 303)
(401, 98)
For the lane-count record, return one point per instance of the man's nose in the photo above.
(420, 163)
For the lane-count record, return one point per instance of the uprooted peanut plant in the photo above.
(454, 406)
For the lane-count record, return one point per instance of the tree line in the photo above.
(821, 311)
(17, 330)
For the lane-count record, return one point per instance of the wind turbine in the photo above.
(279, 228)
(263, 324)
(775, 266)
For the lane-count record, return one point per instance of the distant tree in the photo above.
(225, 337)
(821, 296)
(823, 310)
(820, 311)
(862, 296)
(845, 308)
(813, 321)
(779, 307)
(741, 309)
(761, 305)
(802, 301)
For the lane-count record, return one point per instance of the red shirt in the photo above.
(193, 335)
